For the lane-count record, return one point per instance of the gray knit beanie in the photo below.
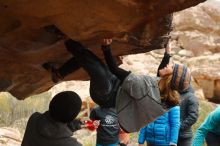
(181, 78)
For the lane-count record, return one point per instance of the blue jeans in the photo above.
(149, 144)
(212, 139)
(115, 144)
(184, 141)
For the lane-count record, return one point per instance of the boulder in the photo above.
(197, 29)
(10, 137)
(206, 72)
(26, 41)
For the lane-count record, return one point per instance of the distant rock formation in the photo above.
(198, 28)
(206, 72)
(196, 36)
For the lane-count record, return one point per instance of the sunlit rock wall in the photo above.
(136, 25)
(198, 28)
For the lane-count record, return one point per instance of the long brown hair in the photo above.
(169, 96)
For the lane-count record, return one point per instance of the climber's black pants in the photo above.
(103, 84)
(67, 68)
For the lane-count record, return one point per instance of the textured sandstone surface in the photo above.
(197, 31)
(198, 28)
(9, 137)
(204, 61)
(206, 71)
(136, 25)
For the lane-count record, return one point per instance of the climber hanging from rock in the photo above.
(138, 99)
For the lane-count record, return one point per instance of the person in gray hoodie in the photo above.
(189, 113)
(51, 128)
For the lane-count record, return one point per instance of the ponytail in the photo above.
(168, 95)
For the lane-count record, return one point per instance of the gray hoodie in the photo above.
(189, 113)
(138, 102)
(42, 130)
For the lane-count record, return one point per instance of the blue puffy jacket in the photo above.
(164, 130)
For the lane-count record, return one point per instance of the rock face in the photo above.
(25, 43)
(196, 35)
(206, 72)
(197, 29)
(9, 137)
